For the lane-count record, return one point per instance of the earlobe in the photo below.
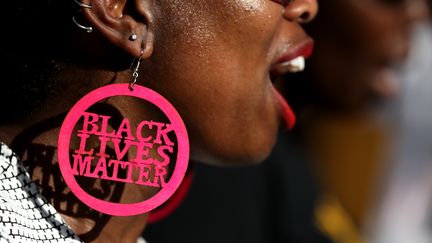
(127, 24)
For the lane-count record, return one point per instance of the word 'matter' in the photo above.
(149, 141)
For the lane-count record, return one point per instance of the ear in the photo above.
(118, 20)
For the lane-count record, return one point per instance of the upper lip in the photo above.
(290, 52)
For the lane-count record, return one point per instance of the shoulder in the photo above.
(25, 215)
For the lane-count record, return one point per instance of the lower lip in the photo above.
(287, 113)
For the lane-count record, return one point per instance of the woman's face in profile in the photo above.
(216, 60)
(359, 44)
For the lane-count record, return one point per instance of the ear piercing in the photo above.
(82, 5)
(135, 65)
(133, 37)
(89, 29)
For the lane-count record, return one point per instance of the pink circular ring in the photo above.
(119, 209)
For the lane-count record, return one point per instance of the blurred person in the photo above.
(360, 46)
(403, 213)
(356, 59)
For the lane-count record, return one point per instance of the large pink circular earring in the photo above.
(83, 162)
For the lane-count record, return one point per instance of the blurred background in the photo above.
(358, 165)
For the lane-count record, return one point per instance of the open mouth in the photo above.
(290, 61)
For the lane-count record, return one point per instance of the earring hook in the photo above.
(135, 74)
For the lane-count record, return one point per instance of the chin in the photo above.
(252, 152)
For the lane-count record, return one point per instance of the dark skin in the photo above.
(213, 66)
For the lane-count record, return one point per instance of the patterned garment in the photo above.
(25, 215)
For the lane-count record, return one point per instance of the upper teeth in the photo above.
(295, 65)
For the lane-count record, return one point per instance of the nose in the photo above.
(301, 11)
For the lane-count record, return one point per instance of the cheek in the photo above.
(212, 65)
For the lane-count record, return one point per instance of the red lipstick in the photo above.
(287, 113)
(305, 50)
(290, 60)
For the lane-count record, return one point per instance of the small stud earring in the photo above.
(133, 37)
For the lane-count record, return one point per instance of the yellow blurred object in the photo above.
(335, 222)
(348, 152)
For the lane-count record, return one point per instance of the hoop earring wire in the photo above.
(82, 5)
(89, 29)
(135, 65)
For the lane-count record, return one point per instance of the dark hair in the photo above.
(34, 40)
